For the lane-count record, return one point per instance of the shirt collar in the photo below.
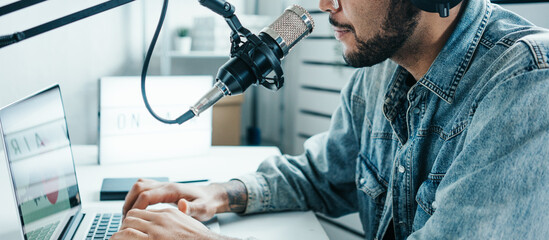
(447, 70)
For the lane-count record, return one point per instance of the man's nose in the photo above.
(330, 6)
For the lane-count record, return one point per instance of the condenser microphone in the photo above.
(254, 60)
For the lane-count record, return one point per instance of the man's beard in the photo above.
(400, 23)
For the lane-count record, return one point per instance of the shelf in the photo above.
(168, 56)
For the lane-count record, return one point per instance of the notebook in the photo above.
(40, 163)
(113, 189)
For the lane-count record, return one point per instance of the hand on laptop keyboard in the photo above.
(194, 202)
(168, 223)
(198, 201)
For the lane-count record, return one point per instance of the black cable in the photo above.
(187, 115)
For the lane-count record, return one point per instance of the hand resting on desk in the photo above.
(194, 201)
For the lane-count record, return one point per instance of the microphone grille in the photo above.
(292, 26)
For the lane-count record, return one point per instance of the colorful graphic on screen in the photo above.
(40, 161)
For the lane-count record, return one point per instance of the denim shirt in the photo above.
(463, 153)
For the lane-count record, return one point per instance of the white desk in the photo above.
(220, 164)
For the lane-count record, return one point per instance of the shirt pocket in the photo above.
(445, 134)
(425, 199)
(368, 179)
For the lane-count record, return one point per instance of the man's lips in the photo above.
(340, 32)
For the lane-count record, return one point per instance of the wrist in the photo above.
(231, 196)
(219, 194)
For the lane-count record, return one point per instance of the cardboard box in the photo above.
(226, 121)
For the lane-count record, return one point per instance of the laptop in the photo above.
(40, 164)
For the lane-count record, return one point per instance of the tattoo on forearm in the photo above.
(237, 195)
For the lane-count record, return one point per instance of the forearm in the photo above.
(286, 183)
(232, 196)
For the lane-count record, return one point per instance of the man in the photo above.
(444, 136)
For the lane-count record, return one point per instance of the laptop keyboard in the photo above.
(104, 226)
(43, 232)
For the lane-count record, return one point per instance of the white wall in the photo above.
(534, 12)
(76, 56)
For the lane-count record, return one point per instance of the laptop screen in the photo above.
(40, 162)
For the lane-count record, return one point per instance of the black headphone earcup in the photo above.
(441, 6)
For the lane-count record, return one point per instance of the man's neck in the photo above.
(421, 49)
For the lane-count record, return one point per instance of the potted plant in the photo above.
(183, 40)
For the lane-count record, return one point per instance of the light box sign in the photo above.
(128, 132)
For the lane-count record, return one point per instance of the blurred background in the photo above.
(194, 41)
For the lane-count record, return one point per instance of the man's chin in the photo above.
(359, 60)
(349, 56)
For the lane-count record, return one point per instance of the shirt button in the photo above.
(401, 169)
(416, 111)
(362, 181)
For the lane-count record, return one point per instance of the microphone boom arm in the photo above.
(7, 40)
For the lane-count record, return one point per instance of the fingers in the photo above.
(142, 214)
(144, 193)
(183, 206)
(191, 200)
(135, 223)
(154, 196)
(140, 186)
(195, 209)
(170, 223)
(129, 233)
(162, 213)
(192, 209)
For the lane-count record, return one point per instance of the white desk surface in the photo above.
(219, 164)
